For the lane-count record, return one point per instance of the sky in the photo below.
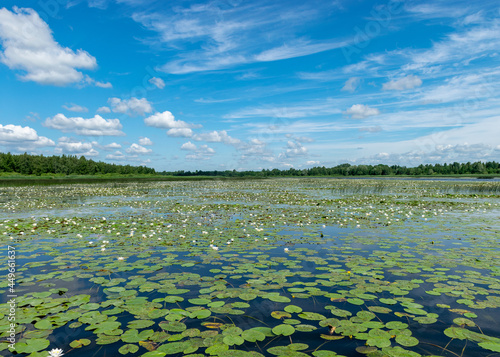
(251, 85)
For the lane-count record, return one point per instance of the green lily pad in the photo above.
(79, 343)
(312, 316)
(253, 335)
(407, 341)
(128, 348)
(293, 309)
(284, 330)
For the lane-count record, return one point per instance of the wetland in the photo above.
(270, 267)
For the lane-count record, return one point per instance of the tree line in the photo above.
(455, 168)
(26, 164)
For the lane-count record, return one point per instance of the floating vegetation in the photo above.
(286, 267)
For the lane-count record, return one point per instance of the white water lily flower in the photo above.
(121, 258)
(215, 247)
(286, 249)
(56, 352)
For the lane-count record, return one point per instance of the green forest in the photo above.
(487, 168)
(38, 165)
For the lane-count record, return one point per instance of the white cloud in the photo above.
(217, 137)
(293, 149)
(75, 108)
(312, 162)
(145, 141)
(437, 154)
(303, 139)
(180, 132)
(471, 88)
(93, 82)
(165, 120)
(203, 152)
(296, 48)
(138, 149)
(117, 155)
(112, 146)
(29, 46)
(22, 138)
(74, 147)
(96, 126)
(104, 110)
(157, 82)
(188, 146)
(361, 111)
(351, 84)
(371, 129)
(404, 83)
(324, 107)
(132, 106)
(223, 35)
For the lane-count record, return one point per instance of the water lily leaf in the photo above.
(247, 296)
(157, 313)
(492, 346)
(305, 328)
(199, 301)
(139, 324)
(200, 314)
(173, 299)
(366, 349)
(463, 322)
(284, 330)
(396, 325)
(276, 297)
(379, 342)
(232, 340)
(323, 353)
(79, 343)
(128, 348)
(425, 320)
(331, 337)
(280, 314)
(217, 349)
(253, 335)
(90, 306)
(238, 304)
(32, 345)
(44, 325)
(291, 350)
(154, 354)
(149, 345)
(312, 316)
(355, 301)
(407, 341)
(267, 331)
(456, 332)
(388, 301)
(173, 326)
(366, 315)
(293, 309)
(172, 348)
(214, 325)
(107, 340)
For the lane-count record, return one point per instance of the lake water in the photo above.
(280, 267)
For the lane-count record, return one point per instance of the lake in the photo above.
(274, 267)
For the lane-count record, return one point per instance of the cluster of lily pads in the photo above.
(288, 267)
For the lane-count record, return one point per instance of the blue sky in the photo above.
(250, 85)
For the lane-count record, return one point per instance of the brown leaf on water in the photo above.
(150, 346)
